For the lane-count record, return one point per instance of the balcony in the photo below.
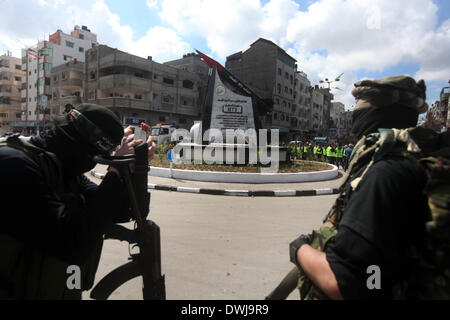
(71, 83)
(125, 103)
(124, 81)
(191, 110)
(123, 59)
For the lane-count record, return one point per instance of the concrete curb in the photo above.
(239, 177)
(237, 193)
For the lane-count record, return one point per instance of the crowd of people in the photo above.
(335, 153)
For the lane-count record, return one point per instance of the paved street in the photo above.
(222, 247)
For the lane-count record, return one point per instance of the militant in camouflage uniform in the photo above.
(430, 279)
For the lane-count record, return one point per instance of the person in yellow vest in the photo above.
(339, 156)
(292, 151)
(331, 154)
(299, 151)
(316, 152)
(305, 152)
(319, 153)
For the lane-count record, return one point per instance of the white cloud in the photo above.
(330, 37)
(161, 43)
(369, 35)
(152, 3)
(229, 26)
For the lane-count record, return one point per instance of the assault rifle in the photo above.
(146, 235)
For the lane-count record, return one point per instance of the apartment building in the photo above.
(348, 124)
(337, 120)
(327, 98)
(66, 86)
(139, 89)
(302, 107)
(317, 99)
(191, 62)
(59, 49)
(270, 72)
(11, 75)
(442, 107)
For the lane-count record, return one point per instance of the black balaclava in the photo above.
(71, 147)
(390, 102)
(369, 120)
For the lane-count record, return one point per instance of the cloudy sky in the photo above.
(360, 38)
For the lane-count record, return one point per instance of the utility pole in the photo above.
(38, 98)
(38, 84)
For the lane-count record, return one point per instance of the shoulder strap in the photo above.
(47, 161)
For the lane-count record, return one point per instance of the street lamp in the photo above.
(338, 78)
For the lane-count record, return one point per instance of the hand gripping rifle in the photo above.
(146, 235)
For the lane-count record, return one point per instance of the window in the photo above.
(80, 49)
(168, 99)
(282, 117)
(279, 87)
(17, 78)
(81, 36)
(47, 52)
(286, 75)
(284, 104)
(275, 116)
(55, 78)
(289, 105)
(286, 90)
(290, 91)
(279, 71)
(67, 58)
(168, 81)
(92, 75)
(188, 84)
(48, 66)
(18, 67)
(69, 44)
(138, 96)
(277, 101)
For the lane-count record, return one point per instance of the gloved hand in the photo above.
(295, 245)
